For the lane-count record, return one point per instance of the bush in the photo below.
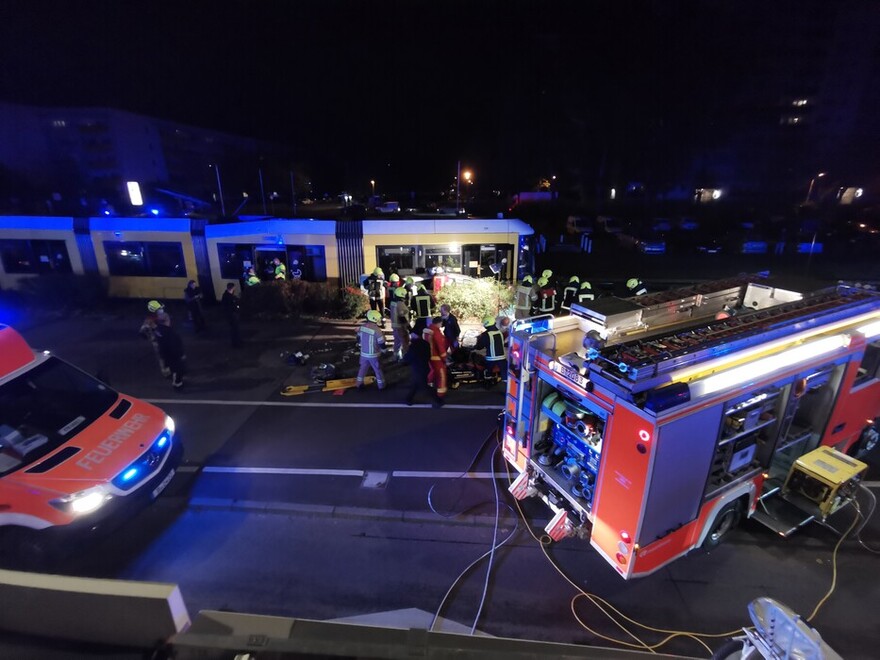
(294, 297)
(351, 302)
(62, 291)
(476, 300)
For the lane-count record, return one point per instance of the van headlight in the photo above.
(85, 501)
(169, 424)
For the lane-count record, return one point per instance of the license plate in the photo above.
(167, 480)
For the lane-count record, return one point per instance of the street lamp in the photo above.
(219, 188)
(812, 183)
(372, 187)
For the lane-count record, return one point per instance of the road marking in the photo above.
(419, 474)
(318, 404)
(288, 471)
(871, 484)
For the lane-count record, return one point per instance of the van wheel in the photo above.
(24, 549)
(726, 520)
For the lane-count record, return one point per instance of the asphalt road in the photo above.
(317, 507)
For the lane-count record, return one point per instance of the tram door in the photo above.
(264, 266)
(495, 260)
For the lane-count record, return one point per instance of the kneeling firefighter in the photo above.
(490, 349)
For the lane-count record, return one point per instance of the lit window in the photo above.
(59, 123)
(799, 103)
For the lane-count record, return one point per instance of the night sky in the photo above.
(398, 91)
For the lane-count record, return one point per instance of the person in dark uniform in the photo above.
(418, 357)
(172, 352)
(231, 310)
(192, 295)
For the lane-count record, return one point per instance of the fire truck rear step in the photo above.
(780, 515)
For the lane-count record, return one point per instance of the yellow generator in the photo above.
(826, 478)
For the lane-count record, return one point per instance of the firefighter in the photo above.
(569, 293)
(585, 293)
(411, 290)
(636, 287)
(371, 342)
(440, 279)
(251, 278)
(422, 308)
(376, 293)
(280, 269)
(400, 322)
(156, 316)
(451, 328)
(437, 374)
(490, 350)
(546, 296)
(523, 305)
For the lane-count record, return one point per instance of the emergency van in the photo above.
(652, 425)
(74, 453)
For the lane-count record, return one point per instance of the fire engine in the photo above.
(654, 424)
(74, 454)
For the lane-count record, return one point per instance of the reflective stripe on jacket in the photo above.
(523, 294)
(496, 350)
(371, 339)
(423, 306)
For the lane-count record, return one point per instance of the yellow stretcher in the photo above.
(329, 386)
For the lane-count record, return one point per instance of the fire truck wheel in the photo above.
(730, 650)
(24, 549)
(726, 520)
(866, 444)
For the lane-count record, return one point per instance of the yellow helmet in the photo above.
(586, 285)
(488, 321)
(632, 283)
(394, 277)
(409, 281)
(378, 272)
(574, 279)
(527, 280)
(154, 306)
(543, 281)
(547, 274)
(374, 316)
(422, 288)
(400, 292)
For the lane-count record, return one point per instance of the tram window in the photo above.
(870, 363)
(34, 256)
(443, 255)
(145, 259)
(233, 258)
(399, 260)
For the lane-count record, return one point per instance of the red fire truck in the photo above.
(653, 424)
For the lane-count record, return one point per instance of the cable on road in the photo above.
(865, 521)
(467, 469)
(495, 545)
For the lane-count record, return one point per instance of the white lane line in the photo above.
(317, 404)
(871, 484)
(419, 474)
(287, 471)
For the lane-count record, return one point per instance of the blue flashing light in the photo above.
(130, 474)
(162, 441)
(154, 211)
(106, 212)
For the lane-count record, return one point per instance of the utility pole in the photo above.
(219, 188)
(262, 191)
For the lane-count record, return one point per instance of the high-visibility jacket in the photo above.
(547, 299)
(523, 297)
(280, 272)
(435, 337)
(423, 304)
(585, 295)
(568, 295)
(371, 339)
(399, 313)
(496, 351)
(375, 288)
(639, 290)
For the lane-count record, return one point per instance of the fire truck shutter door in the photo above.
(683, 455)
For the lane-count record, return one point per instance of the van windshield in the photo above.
(45, 407)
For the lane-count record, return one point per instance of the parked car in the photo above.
(389, 207)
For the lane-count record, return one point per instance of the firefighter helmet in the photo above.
(438, 270)
(374, 316)
(586, 285)
(400, 292)
(422, 288)
(154, 306)
(378, 272)
(633, 283)
(409, 281)
(543, 281)
(488, 321)
(527, 280)
(547, 274)
(394, 277)
(574, 279)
